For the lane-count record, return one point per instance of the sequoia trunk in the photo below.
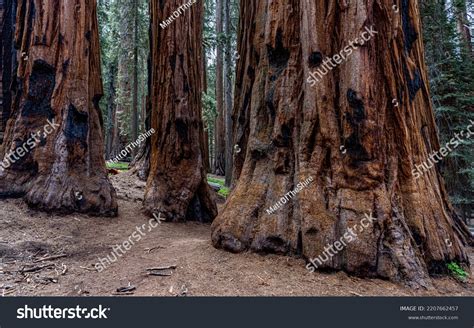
(177, 184)
(57, 94)
(353, 138)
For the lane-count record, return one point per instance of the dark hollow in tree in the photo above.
(177, 184)
(58, 79)
(290, 131)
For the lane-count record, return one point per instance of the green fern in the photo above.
(457, 271)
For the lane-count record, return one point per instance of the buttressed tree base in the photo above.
(177, 183)
(347, 133)
(58, 79)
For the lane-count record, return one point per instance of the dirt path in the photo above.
(26, 235)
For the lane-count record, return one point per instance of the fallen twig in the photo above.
(184, 291)
(122, 294)
(161, 274)
(127, 289)
(149, 250)
(47, 280)
(50, 258)
(170, 267)
(64, 267)
(8, 291)
(263, 281)
(8, 263)
(37, 268)
(88, 269)
(357, 294)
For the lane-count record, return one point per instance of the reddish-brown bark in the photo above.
(177, 185)
(290, 131)
(58, 79)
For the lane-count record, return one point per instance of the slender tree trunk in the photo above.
(346, 135)
(126, 75)
(143, 108)
(177, 185)
(204, 88)
(59, 80)
(214, 139)
(116, 147)
(141, 163)
(111, 111)
(125, 101)
(463, 25)
(219, 163)
(211, 145)
(228, 95)
(135, 76)
(206, 150)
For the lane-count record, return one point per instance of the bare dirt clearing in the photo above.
(43, 254)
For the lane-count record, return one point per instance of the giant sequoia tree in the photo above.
(290, 131)
(58, 79)
(177, 184)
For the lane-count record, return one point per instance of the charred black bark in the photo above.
(7, 60)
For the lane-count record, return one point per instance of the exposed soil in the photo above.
(27, 236)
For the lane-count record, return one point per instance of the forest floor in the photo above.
(28, 238)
